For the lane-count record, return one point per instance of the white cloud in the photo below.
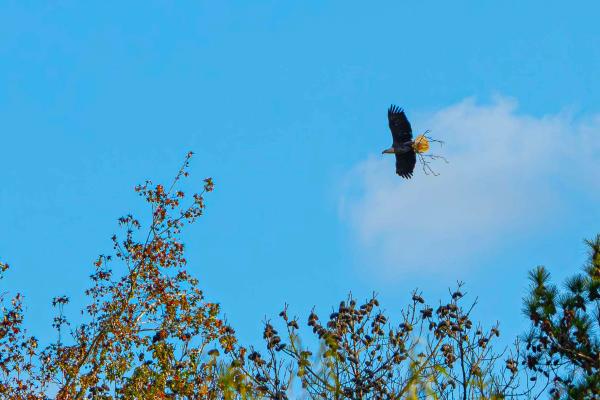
(508, 174)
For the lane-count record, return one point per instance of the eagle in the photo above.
(403, 146)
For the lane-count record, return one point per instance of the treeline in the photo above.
(149, 333)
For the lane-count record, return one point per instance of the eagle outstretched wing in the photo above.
(405, 163)
(399, 125)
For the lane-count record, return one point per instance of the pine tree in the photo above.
(564, 343)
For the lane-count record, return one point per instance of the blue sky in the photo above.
(285, 104)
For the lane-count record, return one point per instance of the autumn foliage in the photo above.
(147, 332)
(17, 350)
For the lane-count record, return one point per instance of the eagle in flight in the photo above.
(404, 147)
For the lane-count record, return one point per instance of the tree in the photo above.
(431, 353)
(149, 333)
(17, 350)
(564, 340)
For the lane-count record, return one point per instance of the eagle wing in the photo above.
(399, 125)
(405, 164)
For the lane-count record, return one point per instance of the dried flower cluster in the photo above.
(431, 353)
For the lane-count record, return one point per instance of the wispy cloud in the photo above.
(508, 174)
